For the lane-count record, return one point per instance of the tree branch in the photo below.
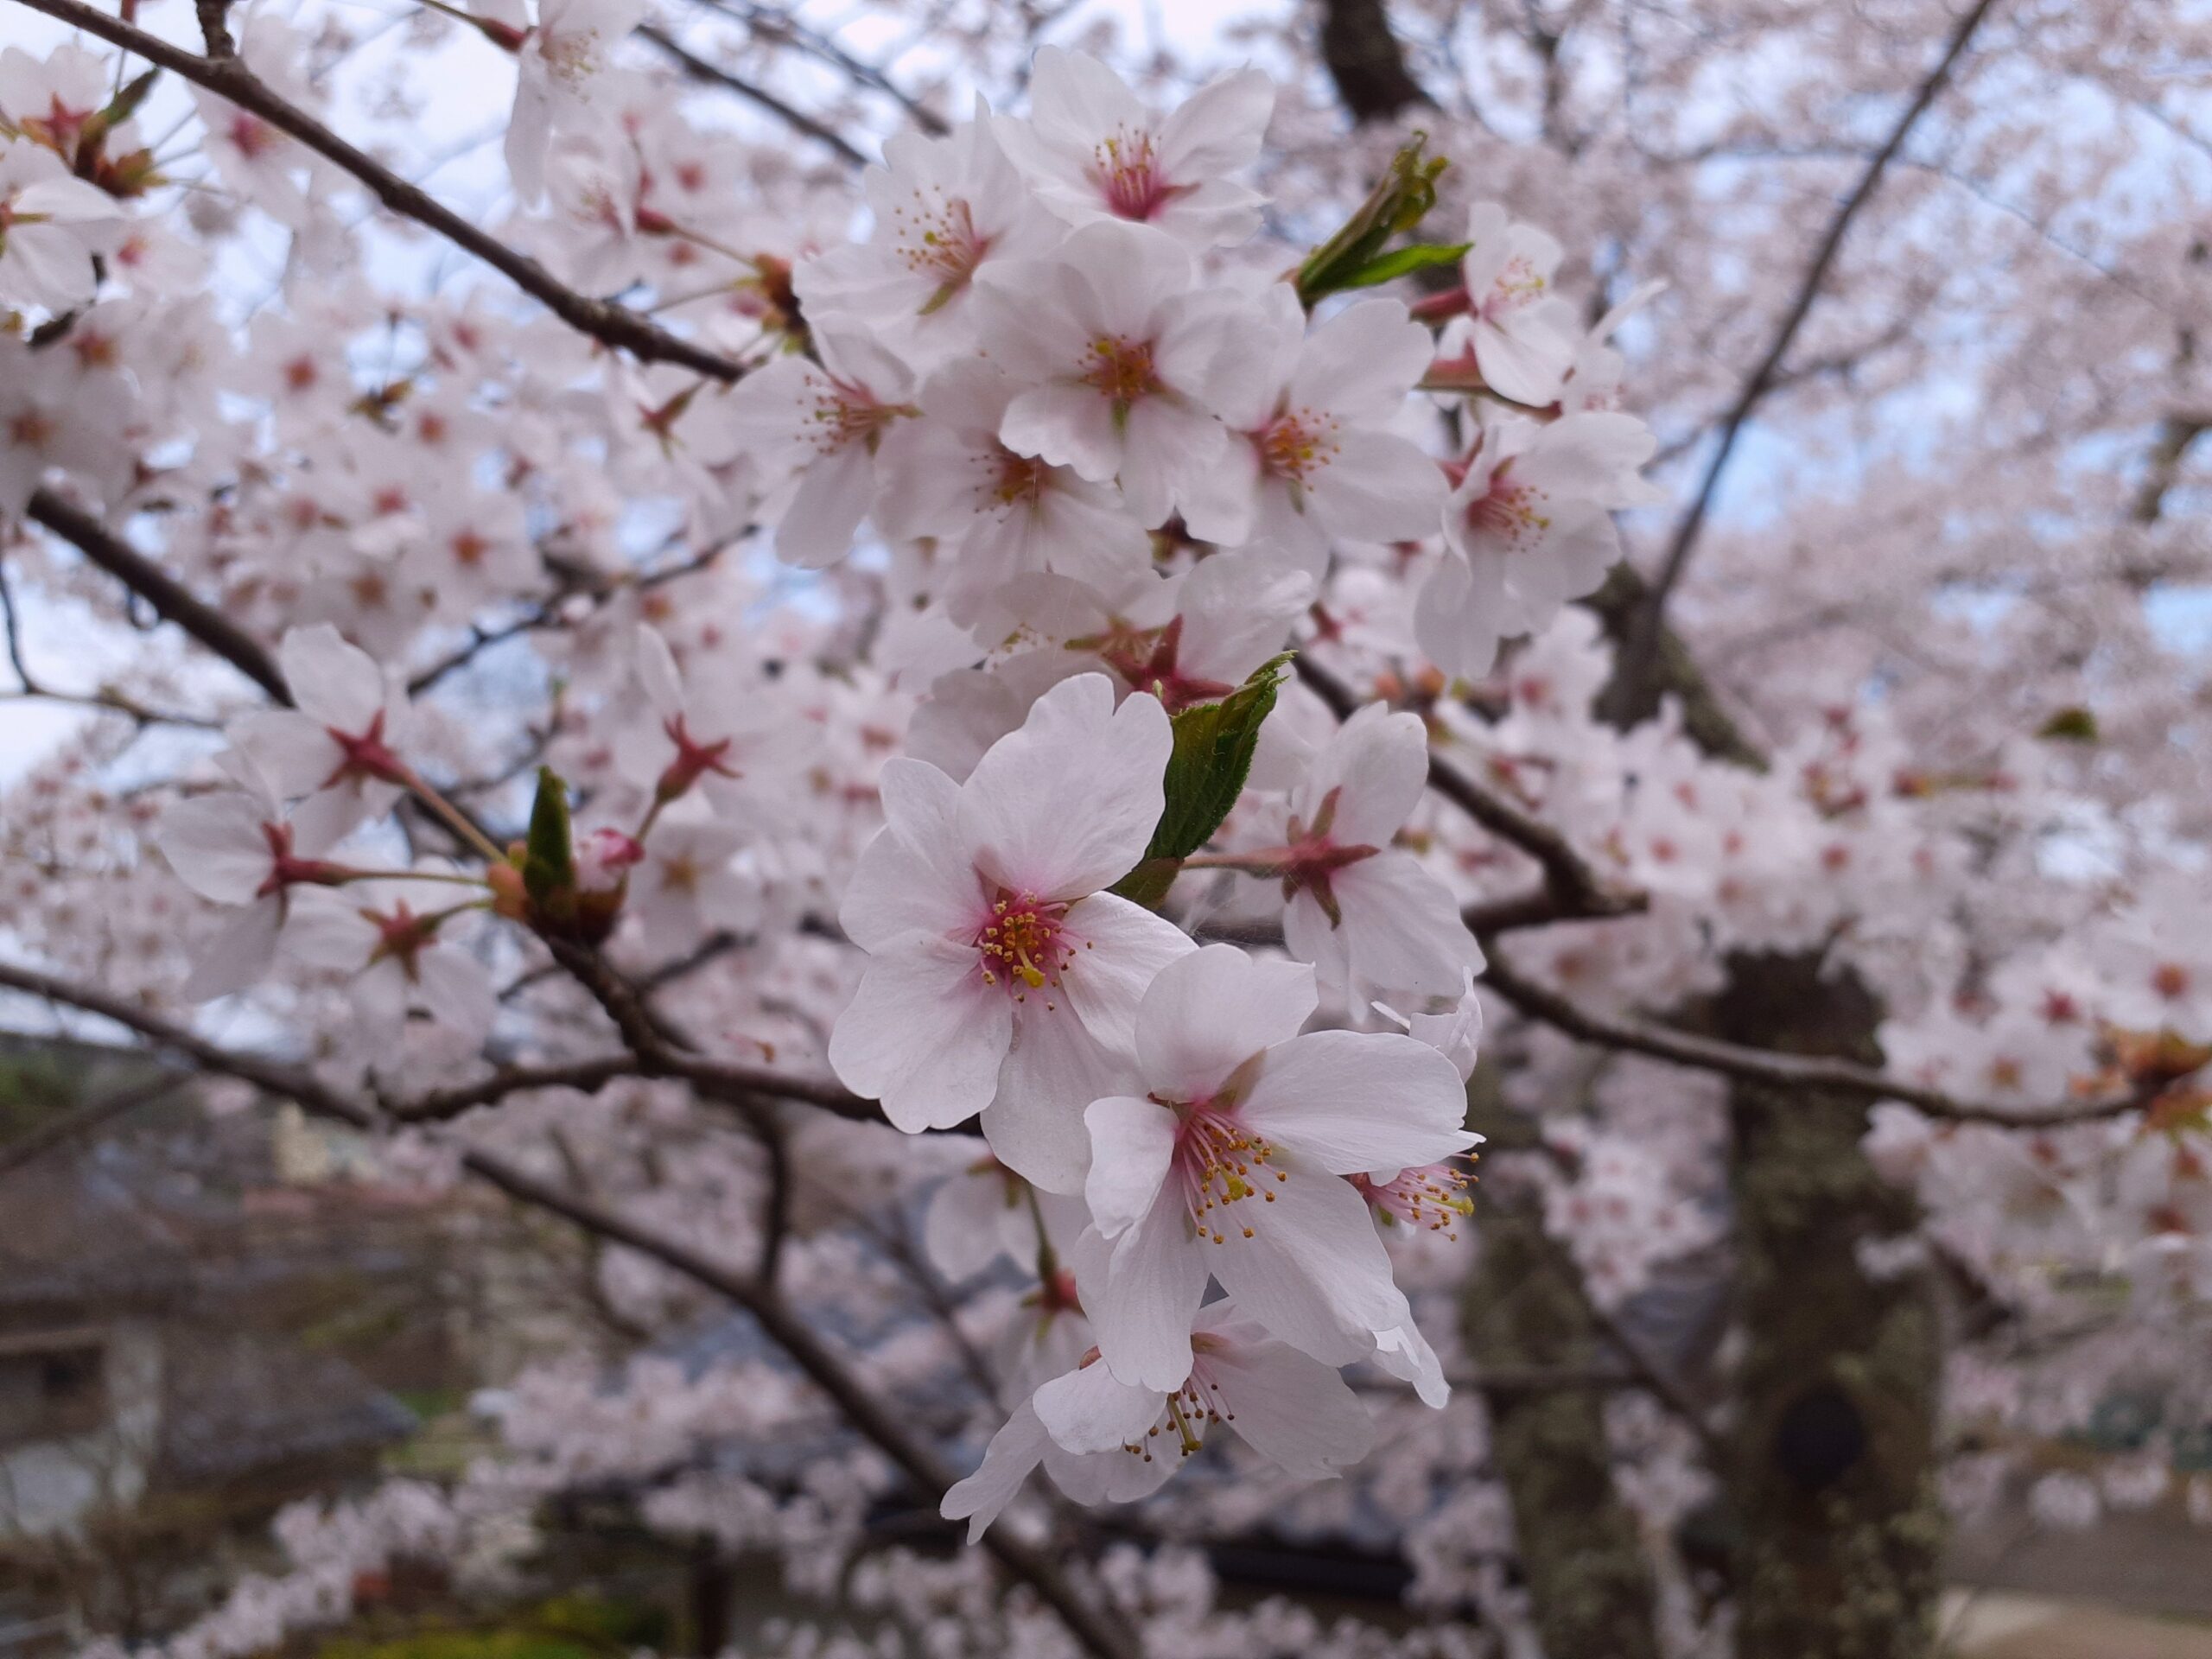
(1576, 890)
(614, 325)
(1366, 62)
(710, 74)
(1643, 640)
(171, 600)
(1773, 1067)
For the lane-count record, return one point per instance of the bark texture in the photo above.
(1589, 1579)
(1837, 1531)
(1365, 60)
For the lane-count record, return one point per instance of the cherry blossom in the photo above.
(1229, 1166)
(1093, 151)
(1003, 978)
(1522, 335)
(1529, 527)
(51, 227)
(1116, 354)
(1312, 457)
(1104, 1441)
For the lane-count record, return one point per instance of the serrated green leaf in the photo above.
(1206, 771)
(549, 863)
(1400, 262)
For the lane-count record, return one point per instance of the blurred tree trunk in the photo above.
(1590, 1582)
(1365, 60)
(1838, 1535)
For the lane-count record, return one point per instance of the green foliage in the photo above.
(1353, 257)
(2074, 725)
(568, 1627)
(548, 865)
(1206, 774)
(1402, 262)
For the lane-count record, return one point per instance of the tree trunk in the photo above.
(1589, 1580)
(1838, 1531)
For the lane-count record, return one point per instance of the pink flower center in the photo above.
(1520, 284)
(363, 755)
(1510, 511)
(938, 239)
(1022, 943)
(1120, 369)
(1298, 444)
(1433, 1196)
(1191, 1409)
(845, 414)
(1126, 169)
(1219, 1163)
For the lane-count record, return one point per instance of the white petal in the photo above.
(1314, 1272)
(1118, 949)
(1356, 1102)
(1210, 1011)
(1131, 1143)
(1067, 804)
(215, 845)
(1014, 1451)
(1291, 1409)
(1142, 1291)
(917, 874)
(923, 1034)
(1087, 1410)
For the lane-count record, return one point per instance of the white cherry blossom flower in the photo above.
(51, 225)
(1093, 151)
(944, 209)
(1521, 336)
(342, 735)
(1529, 527)
(1360, 909)
(1230, 1163)
(561, 82)
(829, 422)
(1311, 458)
(237, 847)
(1002, 977)
(1104, 1440)
(396, 940)
(1114, 351)
(1001, 514)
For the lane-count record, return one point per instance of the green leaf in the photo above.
(2074, 725)
(126, 102)
(1206, 774)
(1399, 201)
(1400, 262)
(549, 862)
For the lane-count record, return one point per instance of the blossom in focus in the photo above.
(1104, 1440)
(829, 424)
(1115, 351)
(1311, 458)
(944, 208)
(1002, 977)
(1523, 336)
(1529, 527)
(1364, 910)
(1230, 1164)
(1093, 151)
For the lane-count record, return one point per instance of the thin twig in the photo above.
(613, 325)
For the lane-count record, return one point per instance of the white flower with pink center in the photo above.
(826, 422)
(1521, 335)
(943, 209)
(1091, 151)
(1115, 351)
(1230, 1165)
(1364, 910)
(1529, 527)
(1311, 457)
(1106, 1441)
(1003, 978)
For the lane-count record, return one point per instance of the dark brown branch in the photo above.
(1780, 1070)
(613, 325)
(171, 600)
(1365, 62)
(1644, 641)
(1575, 888)
(799, 120)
